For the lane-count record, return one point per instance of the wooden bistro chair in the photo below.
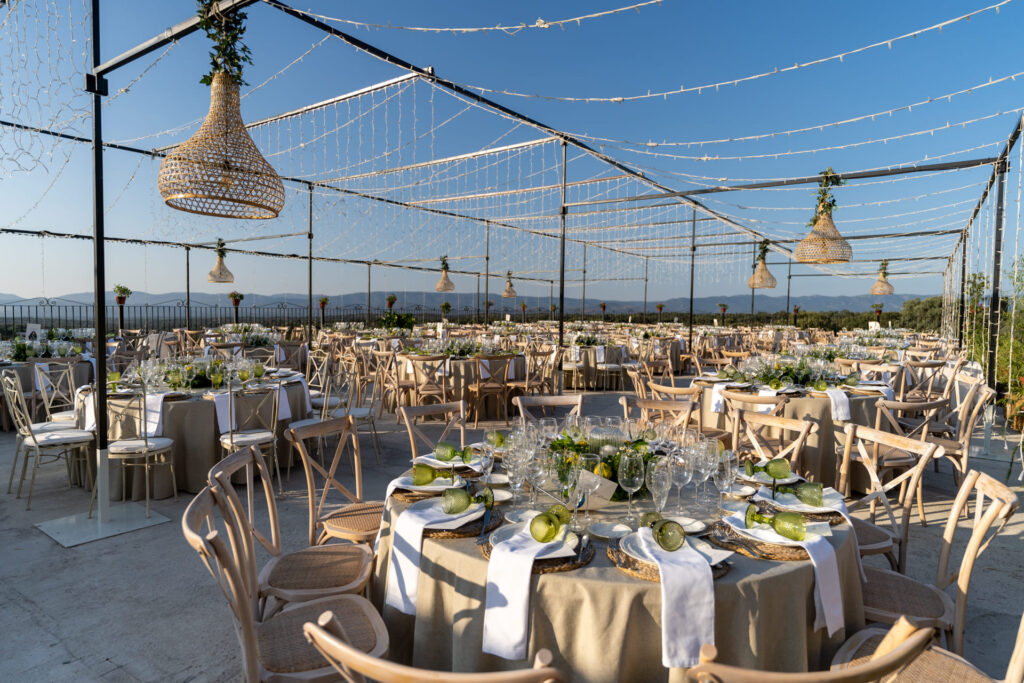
(897, 649)
(357, 520)
(491, 382)
(431, 378)
(339, 647)
(676, 413)
(638, 381)
(740, 400)
(452, 414)
(888, 594)
(533, 382)
(289, 355)
(748, 430)
(273, 648)
(42, 442)
(543, 404)
(958, 448)
(694, 393)
(890, 540)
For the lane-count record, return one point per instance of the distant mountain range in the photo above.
(409, 301)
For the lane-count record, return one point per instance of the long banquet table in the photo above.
(602, 624)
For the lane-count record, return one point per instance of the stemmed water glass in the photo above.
(548, 428)
(724, 473)
(631, 478)
(705, 458)
(659, 482)
(590, 422)
(538, 473)
(682, 472)
(591, 482)
(516, 461)
(569, 484)
(573, 426)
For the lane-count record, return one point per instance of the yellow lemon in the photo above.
(603, 470)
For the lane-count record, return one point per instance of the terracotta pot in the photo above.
(120, 300)
(236, 302)
(322, 305)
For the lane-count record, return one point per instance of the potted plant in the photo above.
(878, 311)
(323, 302)
(522, 305)
(554, 308)
(390, 301)
(446, 308)
(723, 308)
(602, 306)
(660, 307)
(121, 294)
(236, 298)
(796, 310)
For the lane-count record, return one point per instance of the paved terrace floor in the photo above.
(142, 607)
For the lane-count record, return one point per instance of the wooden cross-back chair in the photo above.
(888, 594)
(491, 382)
(120, 361)
(357, 520)
(923, 379)
(431, 379)
(675, 413)
(739, 400)
(533, 382)
(272, 646)
(411, 414)
(639, 382)
(547, 405)
(897, 649)
(318, 370)
(748, 430)
(958, 447)
(259, 354)
(389, 381)
(860, 445)
(288, 354)
(892, 374)
(334, 641)
(694, 393)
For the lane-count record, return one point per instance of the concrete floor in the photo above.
(142, 607)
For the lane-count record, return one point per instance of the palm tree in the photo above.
(522, 305)
(660, 308)
(878, 311)
(603, 306)
(723, 308)
(796, 309)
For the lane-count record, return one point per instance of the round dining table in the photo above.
(602, 624)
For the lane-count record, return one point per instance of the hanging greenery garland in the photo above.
(229, 53)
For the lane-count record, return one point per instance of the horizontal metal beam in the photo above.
(256, 239)
(866, 275)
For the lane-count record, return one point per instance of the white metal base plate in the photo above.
(78, 529)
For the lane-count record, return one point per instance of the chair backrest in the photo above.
(318, 368)
(430, 374)
(994, 504)
(289, 354)
(344, 429)
(14, 396)
(902, 645)
(751, 424)
(55, 379)
(260, 354)
(970, 411)
(670, 393)
(457, 412)
(355, 666)
(257, 475)
(492, 371)
(1015, 671)
(863, 444)
(887, 414)
(253, 408)
(639, 382)
(213, 531)
(129, 413)
(525, 404)
(676, 413)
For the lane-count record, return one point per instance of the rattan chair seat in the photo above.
(888, 591)
(934, 665)
(284, 649)
(317, 568)
(357, 518)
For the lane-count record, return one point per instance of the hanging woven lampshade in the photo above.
(824, 244)
(220, 272)
(219, 171)
(445, 284)
(762, 277)
(510, 291)
(882, 286)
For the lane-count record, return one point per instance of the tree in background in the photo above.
(660, 307)
(878, 311)
(603, 306)
(445, 308)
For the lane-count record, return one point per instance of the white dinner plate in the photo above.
(495, 479)
(743, 491)
(609, 530)
(518, 516)
(560, 547)
(632, 546)
(437, 485)
(439, 464)
(690, 525)
(501, 496)
(832, 501)
(765, 534)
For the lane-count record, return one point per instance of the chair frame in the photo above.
(762, 449)
(410, 414)
(524, 403)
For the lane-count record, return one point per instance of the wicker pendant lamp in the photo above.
(762, 277)
(882, 286)
(445, 284)
(510, 291)
(220, 273)
(219, 171)
(824, 244)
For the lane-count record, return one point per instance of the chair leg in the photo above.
(174, 477)
(18, 444)
(145, 468)
(32, 482)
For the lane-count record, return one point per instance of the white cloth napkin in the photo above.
(687, 602)
(840, 404)
(225, 421)
(717, 400)
(404, 568)
(828, 597)
(507, 607)
(599, 353)
(88, 407)
(154, 414)
(284, 409)
(305, 394)
(44, 368)
(766, 408)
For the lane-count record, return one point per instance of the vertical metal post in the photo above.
(647, 262)
(478, 297)
(369, 269)
(487, 270)
(693, 257)
(753, 267)
(997, 257)
(96, 86)
(583, 306)
(188, 288)
(963, 290)
(551, 294)
(562, 210)
(789, 283)
(309, 238)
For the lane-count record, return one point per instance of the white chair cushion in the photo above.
(62, 437)
(359, 413)
(332, 402)
(138, 446)
(63, 416)
(61, 426)
(609, 366)
(252, 437)
(315, 393)
(299, 424)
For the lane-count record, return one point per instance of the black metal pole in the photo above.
(997, 257)
(583, 305)
(188, 288)
(309, 238)
(693, 257)
(561, 264)
(963, 290)
(478, 297)
(96, 86)
(551, 295)
(487, 271)
(789, 283)
(647, 262)
(369, 269)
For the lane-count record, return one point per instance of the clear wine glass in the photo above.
(548, 428)
(537, 474)
(631, 478)
(723, 474)
(682, 472)
(590, 422)
(659, 482)
(516, 467)
(589, 479)
(704, 464)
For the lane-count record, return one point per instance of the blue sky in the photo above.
(658, 47)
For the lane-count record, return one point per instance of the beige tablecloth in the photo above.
(820, 455)
(604, 625)
(192, 424)
(613, 355)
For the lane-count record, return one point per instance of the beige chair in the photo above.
(254, 415)
(888, 594)
(357, 520)
(676, 413)
(273, 649)
(301, 576)
(527, 404)
(695, 393)
(749, 427)
(862, 444)
(452, 414)
(638, 381)
(491, 382)
(958, 448)
(43, 442)
(922, 379)
(895, 651)
(332, 639)
(431, 378)
(934, 664)
(552, 373)
(289, 354)
(533, 382)
(55, 387)
(739, 400)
